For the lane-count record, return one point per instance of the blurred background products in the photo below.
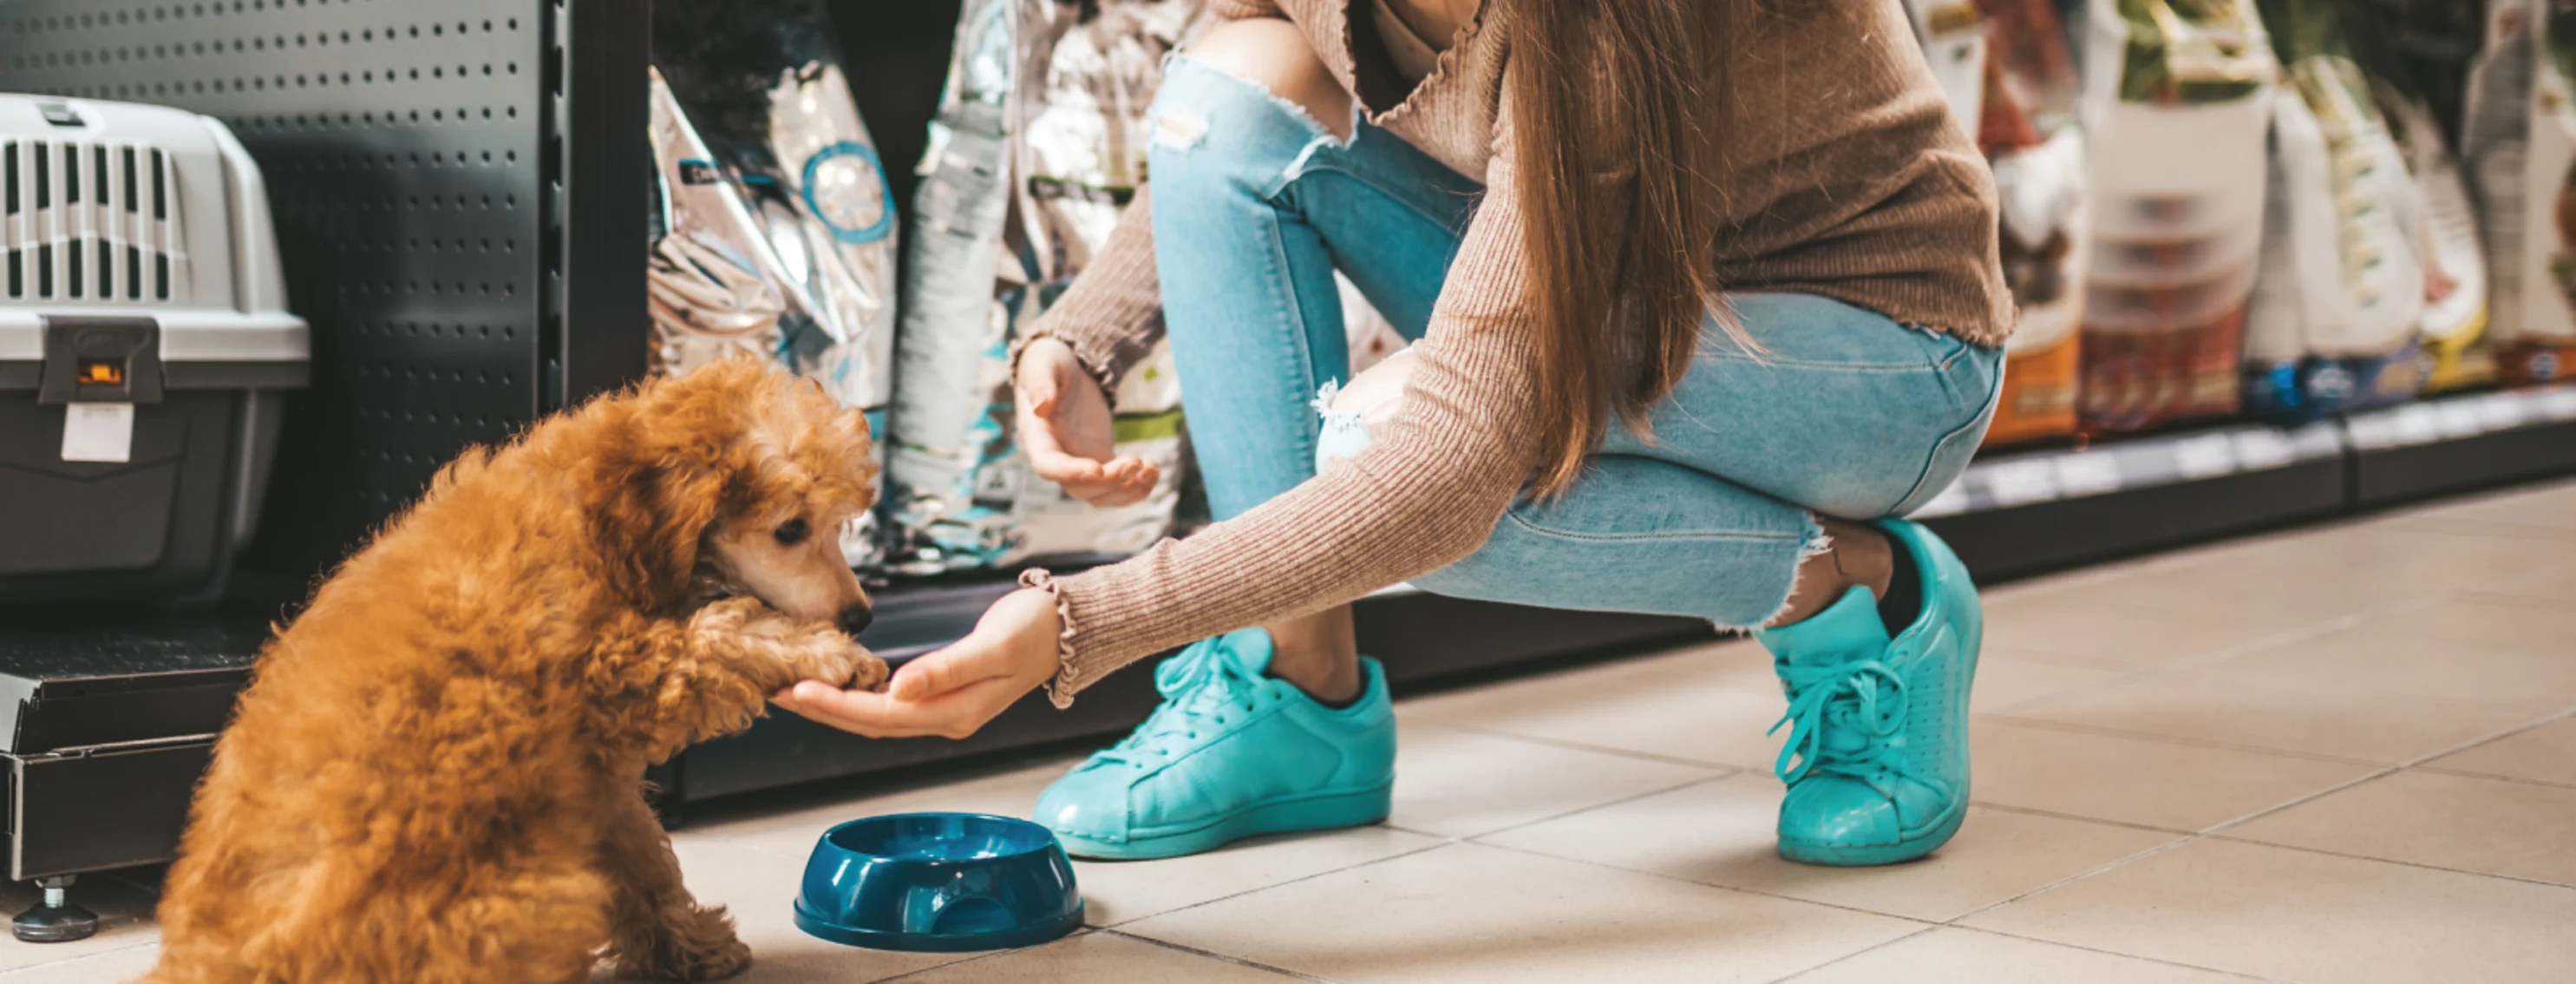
(2520, 141)
(773, 229)
(2341, 286)
(1038, 146)
(2177, 191)
(2027, 120)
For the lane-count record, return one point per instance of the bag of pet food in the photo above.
(2519, 141)
(1038, 146)
(2030, 129)
(1953, 36)
(773, 232)
(2415, 54)
(2175, 192)
(2340, 288)
(2454, 322)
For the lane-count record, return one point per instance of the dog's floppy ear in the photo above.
(650, 526)
(662, 485)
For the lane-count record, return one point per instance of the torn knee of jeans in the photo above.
(1179, 129)
(1345, 433)
(1817, 543)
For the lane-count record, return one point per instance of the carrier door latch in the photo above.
(101, 360)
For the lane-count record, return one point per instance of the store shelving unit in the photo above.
(386, 126)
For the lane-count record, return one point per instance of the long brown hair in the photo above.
(1618, 304)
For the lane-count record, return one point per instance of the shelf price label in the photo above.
(2205, 456)
(2014, 483)
(2460, 418)
(2088, 473)
(2261, 449)
(2503, 411)
(2558, 404)
(2418, 424)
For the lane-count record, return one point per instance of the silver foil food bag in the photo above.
(1038, 147)
(774, 232)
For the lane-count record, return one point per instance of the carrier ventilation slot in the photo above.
(89, 221)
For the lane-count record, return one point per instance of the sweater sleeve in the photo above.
(1427, 491)
(1113, 312)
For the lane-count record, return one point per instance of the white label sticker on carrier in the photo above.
(98, 432)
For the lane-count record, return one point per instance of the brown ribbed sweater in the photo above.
(1849, 181)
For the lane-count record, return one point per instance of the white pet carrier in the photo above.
(143, 342)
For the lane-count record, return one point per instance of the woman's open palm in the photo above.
(1071, 438)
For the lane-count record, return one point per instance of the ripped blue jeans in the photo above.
(1847, 413)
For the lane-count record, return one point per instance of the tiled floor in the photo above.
(2335, 754)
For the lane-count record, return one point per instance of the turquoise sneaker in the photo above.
(1230, 754)
(1877, 759)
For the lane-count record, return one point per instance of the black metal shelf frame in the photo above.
(457, 193)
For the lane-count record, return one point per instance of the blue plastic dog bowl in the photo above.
(940, 883)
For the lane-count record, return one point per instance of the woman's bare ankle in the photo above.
(1318, 654)
(1858, 557)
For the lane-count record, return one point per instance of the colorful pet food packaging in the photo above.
(2454, 323)
(2340, 288)
(2519, 141)
(2175, 181)
(1953, 36)
(2415, 53)
(772, 229)
(2030, 129)
(1038, 146)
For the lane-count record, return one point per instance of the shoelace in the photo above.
(1203, 686)
(1865, 695)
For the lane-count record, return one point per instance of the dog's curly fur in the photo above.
(436, 775)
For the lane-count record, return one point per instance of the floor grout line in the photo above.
(1426, 848)
(2384, 773)
(1603, 805)
(1873, 948)
(1578, 746)
(2173, 845)
(2395, 861)
(2516, 780)
(1677, 879)
(2148, 736)
(2079, 818)
(2218, 831)
(2116, 953)
(1212, 954)
(2258, 644)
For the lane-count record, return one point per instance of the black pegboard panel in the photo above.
(424, 159)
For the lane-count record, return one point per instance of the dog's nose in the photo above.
(856, 618)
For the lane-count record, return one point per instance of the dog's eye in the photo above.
(793, 532)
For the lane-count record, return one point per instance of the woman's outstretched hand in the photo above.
(1066, 428)
(953, 691)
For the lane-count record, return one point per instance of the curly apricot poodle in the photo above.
(436, 773)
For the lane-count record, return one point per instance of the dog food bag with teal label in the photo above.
(1038, 147)
(773, 232)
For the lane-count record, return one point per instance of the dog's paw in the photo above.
(728, 616)
(700, 946)
(833, 657)
(869, 673)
